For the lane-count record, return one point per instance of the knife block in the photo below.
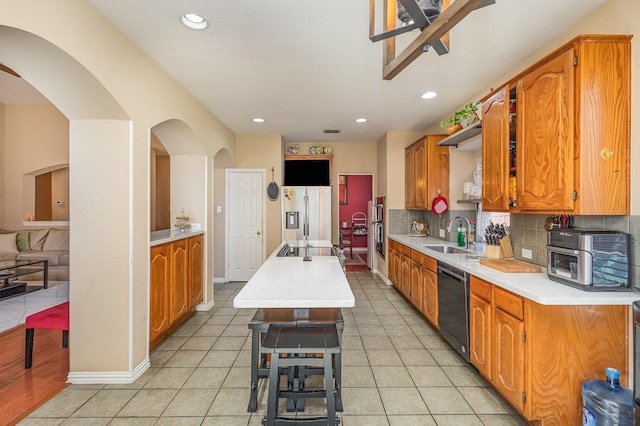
(500, 252)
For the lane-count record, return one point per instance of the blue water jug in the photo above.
(606, 403)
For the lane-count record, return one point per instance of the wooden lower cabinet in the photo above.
(159, 291)
(405, 268)
(179, 288)
(176, 276)
(415, 296)
(430, 290)
(415, 276)
(537, 356)
(195, 270)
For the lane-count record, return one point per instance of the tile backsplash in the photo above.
(527, 231)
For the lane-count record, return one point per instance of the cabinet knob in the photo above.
(606, 153)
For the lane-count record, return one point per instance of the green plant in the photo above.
(451, 120)
(467, 112)
(470, 110)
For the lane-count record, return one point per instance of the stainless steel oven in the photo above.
(453, 307)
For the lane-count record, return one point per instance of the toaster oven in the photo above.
(596, 260)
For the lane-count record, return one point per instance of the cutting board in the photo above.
(510, 265)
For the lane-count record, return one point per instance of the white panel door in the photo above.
(245, 250)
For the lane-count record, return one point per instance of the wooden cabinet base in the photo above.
(537, 356)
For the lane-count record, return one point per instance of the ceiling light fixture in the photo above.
(258, 120)
(434, 19)
(361, 120)
(429, 95)
(193, 21)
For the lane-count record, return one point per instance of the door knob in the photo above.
(259, 233)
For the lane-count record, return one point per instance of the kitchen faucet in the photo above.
(462, 219)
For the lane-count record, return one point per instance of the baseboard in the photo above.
(109, 377)
(204, 307)
(219, 280)
(385, 279)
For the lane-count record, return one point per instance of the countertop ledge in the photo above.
(534, 286)
(168, 235)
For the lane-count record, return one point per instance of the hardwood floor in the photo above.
(22, 391)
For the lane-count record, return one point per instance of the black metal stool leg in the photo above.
(28, 349)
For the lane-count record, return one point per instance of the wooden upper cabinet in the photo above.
(572, 132)
(426, 172)
(409, 178)
(420, 175)
(545, 136)
(495, 151)
(603, 115)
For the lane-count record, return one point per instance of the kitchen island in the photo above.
(290, 290)
(534, 340)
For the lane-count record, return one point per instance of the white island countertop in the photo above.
(534, 286)
(290, 282)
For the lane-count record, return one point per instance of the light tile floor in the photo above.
(397, 371)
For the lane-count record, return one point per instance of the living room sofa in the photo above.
(50, 244)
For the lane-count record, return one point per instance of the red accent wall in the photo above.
(358, 194)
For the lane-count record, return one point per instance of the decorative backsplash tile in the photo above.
(527, 231)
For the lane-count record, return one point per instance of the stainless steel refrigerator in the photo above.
(306, 213)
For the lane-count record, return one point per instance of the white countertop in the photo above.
(537, 287)
(290, 282)
(167, 235)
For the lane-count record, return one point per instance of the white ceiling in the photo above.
(305, 66)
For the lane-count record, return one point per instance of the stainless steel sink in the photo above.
(447, 249)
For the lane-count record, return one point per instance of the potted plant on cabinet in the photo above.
(463, 118)
(452, 123)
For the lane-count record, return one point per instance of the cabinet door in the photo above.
(179, 292)
(480, 335)
(409, 172)
(508, 357)
(495, 152)
(545, 148)
(406, 275)
(430, 296)
(603, 169)
(195, 271)
(420, 174)
(437, 170)
(416, 285)
(159, 290)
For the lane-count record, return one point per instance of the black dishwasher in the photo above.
(453, 307)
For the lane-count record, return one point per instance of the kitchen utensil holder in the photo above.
(502, 251)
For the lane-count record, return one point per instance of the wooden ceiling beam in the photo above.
(449, 18)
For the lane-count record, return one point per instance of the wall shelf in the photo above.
(471, 201)
(462, 135)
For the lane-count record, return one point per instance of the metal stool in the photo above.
(259, 368)
(296, 343)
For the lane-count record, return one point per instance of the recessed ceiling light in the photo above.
(193, 21)
(258, 120)
(429, 95)
(361, 120)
